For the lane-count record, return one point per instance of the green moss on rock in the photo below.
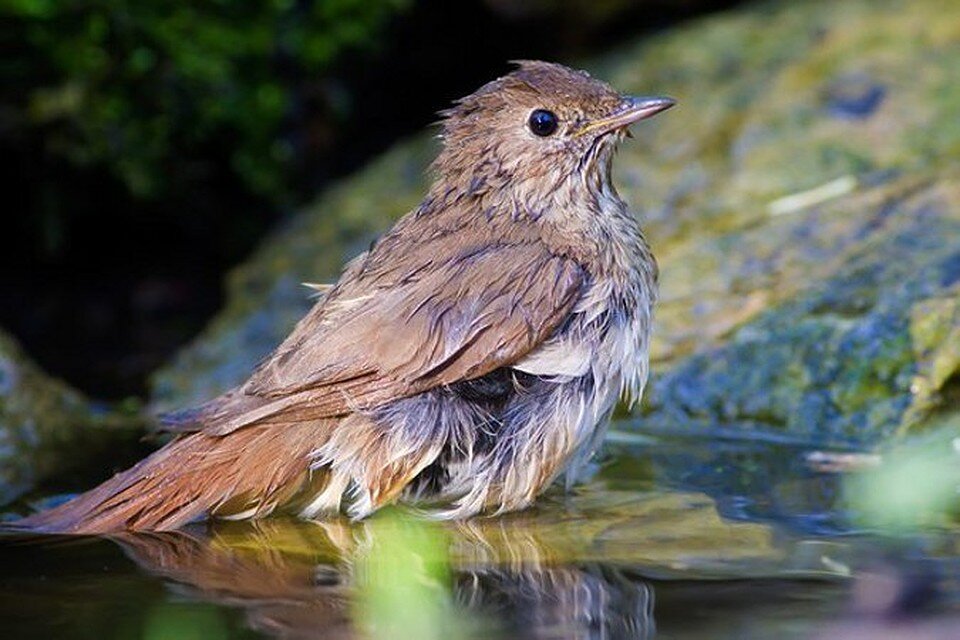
(47, 429)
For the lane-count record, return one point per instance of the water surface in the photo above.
(672, 538)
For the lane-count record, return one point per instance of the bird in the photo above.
(463, 363)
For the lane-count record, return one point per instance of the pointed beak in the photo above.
(633, 109)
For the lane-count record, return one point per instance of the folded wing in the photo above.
(388, 333)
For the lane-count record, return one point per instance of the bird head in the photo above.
(535, 130)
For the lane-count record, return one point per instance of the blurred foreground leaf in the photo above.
(404, 581)
(917, 487)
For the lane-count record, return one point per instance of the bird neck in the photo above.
(578, 214)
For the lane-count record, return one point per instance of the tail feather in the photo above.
(247, 473)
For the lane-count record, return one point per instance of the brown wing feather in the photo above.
(449, 293)
(460, 322)
(465, 318)
(461, 319)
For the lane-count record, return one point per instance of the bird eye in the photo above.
(543, 123)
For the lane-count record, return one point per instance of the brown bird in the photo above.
(464, 361)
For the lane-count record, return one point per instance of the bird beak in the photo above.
(631, 110)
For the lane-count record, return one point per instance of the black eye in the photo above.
(543, 122)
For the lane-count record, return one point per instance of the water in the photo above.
(672, 538)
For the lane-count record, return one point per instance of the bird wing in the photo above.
(400, 332)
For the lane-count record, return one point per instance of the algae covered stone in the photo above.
(805, 210)
(47, 429)
(861, 351)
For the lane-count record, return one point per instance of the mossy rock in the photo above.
(802, 201)
(866, 348)
(48, 430)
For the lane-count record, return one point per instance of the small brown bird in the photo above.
(464, 361)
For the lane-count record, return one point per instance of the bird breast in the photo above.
(606, 337)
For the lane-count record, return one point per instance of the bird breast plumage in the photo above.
(606, 340)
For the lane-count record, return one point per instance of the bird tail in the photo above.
(244, 474)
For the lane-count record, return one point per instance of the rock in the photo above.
(48, 430)
(806, 218)
(862, 349)
(801, 198)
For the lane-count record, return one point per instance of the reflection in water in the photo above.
(296, 581)
(283, 595)
(589, 602)
(748, 481)
(565, 569)
(513, 573)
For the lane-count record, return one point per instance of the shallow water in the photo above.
(671, 538)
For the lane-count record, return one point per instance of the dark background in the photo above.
(107, 268)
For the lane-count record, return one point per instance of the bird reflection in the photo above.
(587, 602)
(283, 594)
(296, 580)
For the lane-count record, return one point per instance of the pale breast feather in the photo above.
(558, 357)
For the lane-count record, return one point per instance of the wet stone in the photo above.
(49, 431)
